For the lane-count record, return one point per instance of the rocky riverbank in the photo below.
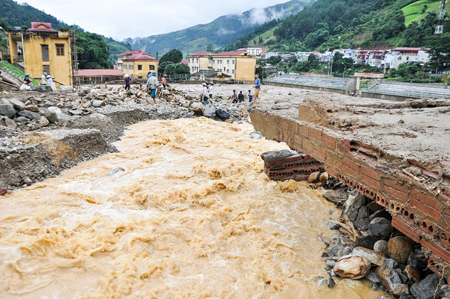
(42, 133)
(366, 246)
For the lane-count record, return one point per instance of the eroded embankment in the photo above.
(395, 154)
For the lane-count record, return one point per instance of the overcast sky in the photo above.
(140, 18)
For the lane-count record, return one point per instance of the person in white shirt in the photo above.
(211, 92)
(43, 78)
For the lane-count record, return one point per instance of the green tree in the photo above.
(439, 49)
(170, 69)
(181, 68)
(93, 52)
(174, 56)
(210, 48)
(313, 61)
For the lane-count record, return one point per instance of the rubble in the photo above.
(354, 267)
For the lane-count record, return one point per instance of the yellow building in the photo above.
(139, 65)
(42, 49)
(239, 66)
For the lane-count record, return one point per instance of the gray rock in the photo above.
(336, 196)
(374, 207)
(330, 263)
(19, 105)
(51, 116)
(381, 247)
(331, 283)
(381, 214)
(380, 227)
(333, 225)
(97, 103)
(390, 263)
(357, 211)
(75, 112)
(374, 257)
(390, 279)
(10, 123)
(30, 115)
(426, 288)
(372, 277)
(209, 111)
(367, 242)
(22, 119)
(7, 110)
(43, 121)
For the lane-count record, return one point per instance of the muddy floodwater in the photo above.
(183, 211)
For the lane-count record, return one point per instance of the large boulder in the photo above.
(428, 288)
(400, 248)
(374, 257)
(354, 267)
(357, 211)
(391, 280)
(30, 115)
(380, 227)
(7, 110)
(381, 247)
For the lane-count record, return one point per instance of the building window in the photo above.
(46, 69)
(232, 61)
(232, 72)
(228, 62)
(139, 67)
(139, 77)
(45, 56)
(152, 67)
(59, 49)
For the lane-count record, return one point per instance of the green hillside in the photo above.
(218, 33)
(415, 11)
(332, 24)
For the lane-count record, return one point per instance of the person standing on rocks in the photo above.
(241, 97)
(152, 84)
(235, 99)
(205, 92)
(250, 96)
(127, 82)
(257, 86)
(44, 79)
(164, 81)
(210, 89)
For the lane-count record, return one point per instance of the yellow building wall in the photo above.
(140, 74)
(205, 63)
(60, 66)
(245, 69)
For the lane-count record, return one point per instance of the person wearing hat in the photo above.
(210, 89)
(152, 84)
(127, 82)
(164, 81)
(43, 78)
(205, 92)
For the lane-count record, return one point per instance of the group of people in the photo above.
(152, 83)
(46, 77)
(207, 92)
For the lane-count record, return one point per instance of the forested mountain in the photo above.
(95, 51)
(222, 31)
(331, 24)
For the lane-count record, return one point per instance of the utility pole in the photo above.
(441, 17)
(75, 75)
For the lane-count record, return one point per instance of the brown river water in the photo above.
(191, 216)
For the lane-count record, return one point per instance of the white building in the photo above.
(254, 51)
(406, 55)
(271, 54)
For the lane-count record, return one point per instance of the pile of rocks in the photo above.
(366, 246)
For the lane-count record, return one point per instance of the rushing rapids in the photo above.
(183, 211)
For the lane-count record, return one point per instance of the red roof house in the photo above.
(41, 27)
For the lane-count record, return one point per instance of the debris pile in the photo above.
(366, 246)
(290, 165)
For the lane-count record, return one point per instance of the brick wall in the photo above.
(421, 214)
